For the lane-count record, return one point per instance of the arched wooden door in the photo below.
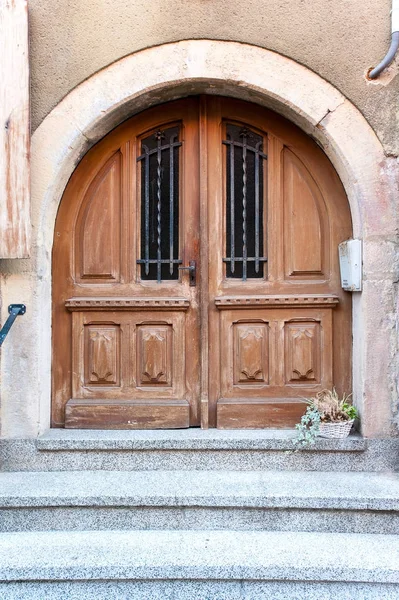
(195, 273)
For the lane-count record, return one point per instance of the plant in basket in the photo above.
(327, 415)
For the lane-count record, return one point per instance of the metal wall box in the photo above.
(350, 262)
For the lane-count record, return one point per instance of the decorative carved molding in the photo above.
(302, 352)
(102, 356)
(228, 302)
(154, 355)
(250, 353)
(79, 304)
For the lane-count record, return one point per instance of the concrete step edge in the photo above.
(203, 555)
(188, 439)
(225, 488)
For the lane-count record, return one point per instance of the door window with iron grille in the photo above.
(245, 203)
(159, 247)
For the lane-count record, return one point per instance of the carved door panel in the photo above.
(126, 322)
(195, 273)
(279, 321)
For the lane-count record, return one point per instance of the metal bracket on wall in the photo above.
(14, 310)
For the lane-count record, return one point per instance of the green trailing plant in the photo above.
(326, 407)
(308, 429)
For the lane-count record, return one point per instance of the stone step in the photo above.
(242, 500)
(60, 450)
(198, 564)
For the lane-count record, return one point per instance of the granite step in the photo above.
(255, 450)
(198, 564)
(242, 500)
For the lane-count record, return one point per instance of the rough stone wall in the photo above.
(338, 39)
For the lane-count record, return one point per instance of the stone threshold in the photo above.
(188, 439)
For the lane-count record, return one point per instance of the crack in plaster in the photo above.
(330, 111)
(83, 133)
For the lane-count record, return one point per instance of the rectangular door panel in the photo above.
(154, 352)
(302, 352)
(272, 357)
(246, 353)
(113, 414)
(128, 365)
(250, 353)
(259, 413)
(102, 355)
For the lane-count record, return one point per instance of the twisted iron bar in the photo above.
(159, 136)
(244, 134)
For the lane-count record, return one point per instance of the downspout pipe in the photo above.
(393, 48)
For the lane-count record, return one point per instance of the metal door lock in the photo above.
(192, 269)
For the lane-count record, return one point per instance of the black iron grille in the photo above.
(244, 203)
(159, 252)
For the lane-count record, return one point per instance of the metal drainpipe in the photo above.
(390, 55)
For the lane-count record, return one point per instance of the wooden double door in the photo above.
(195, 273)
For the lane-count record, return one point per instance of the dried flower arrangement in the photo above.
(327, 415)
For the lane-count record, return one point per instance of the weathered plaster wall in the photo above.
(338, 39)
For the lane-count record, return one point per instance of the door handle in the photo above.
(192, 270)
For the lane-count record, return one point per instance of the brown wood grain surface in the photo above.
(133, 353)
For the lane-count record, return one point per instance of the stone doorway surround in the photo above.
(167, 72)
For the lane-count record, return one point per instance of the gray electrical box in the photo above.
(350, 262)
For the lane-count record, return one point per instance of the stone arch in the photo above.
(174, 70)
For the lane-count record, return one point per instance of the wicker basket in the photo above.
(340, 429)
